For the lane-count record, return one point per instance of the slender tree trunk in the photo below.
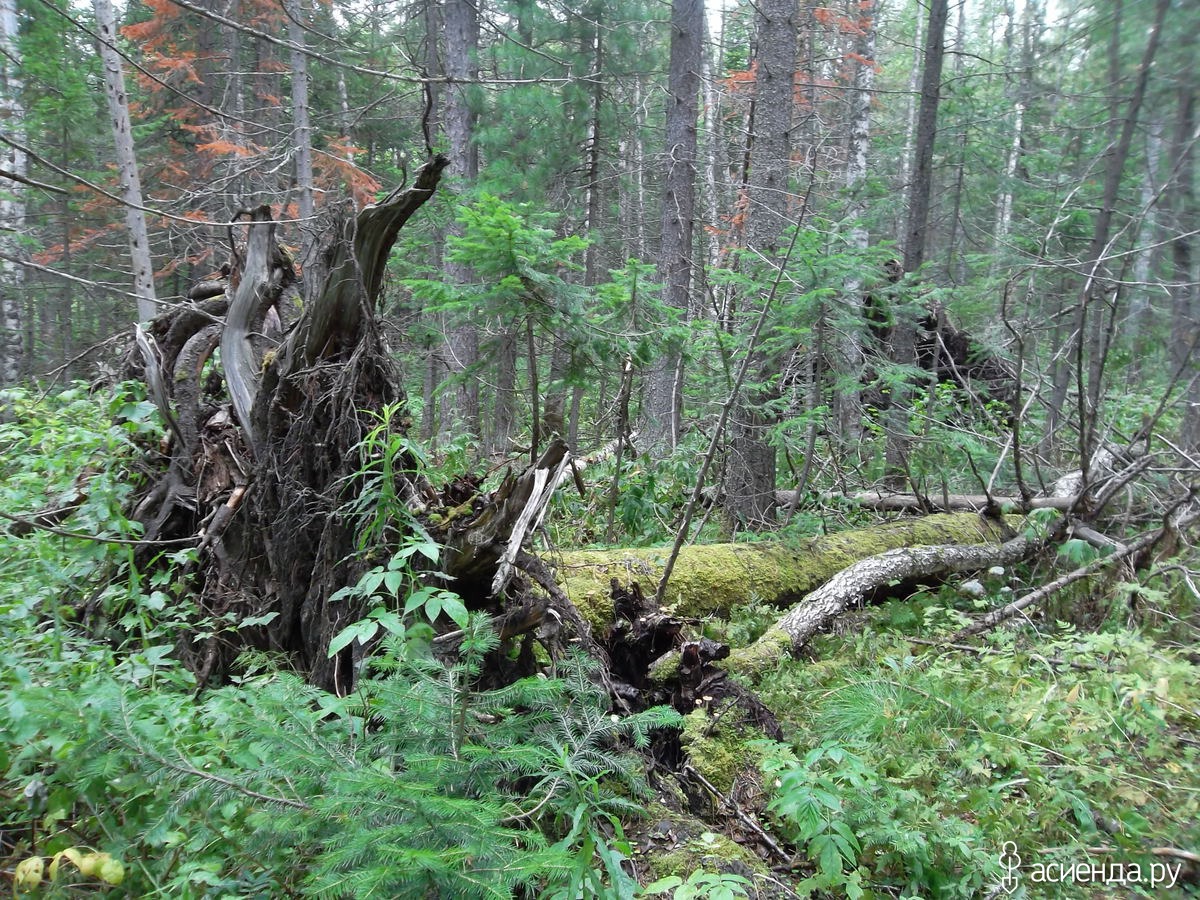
(504, 409)
(1185, 331)
(1085, 343)
(1148, 235)
(848, 350)
(12, 198)
(750, 483)
(904, 337)
(461, 22)
(131, 187)
(302, 131)
(662, 420)
(953, 265)
(435, 362)
(908, 154)
(1020, 99)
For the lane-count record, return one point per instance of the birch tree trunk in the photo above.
(1004, 205)
(848, 357)
(12, 197)
(131, 187)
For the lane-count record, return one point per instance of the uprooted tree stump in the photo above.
(263, 461)
(274, 460)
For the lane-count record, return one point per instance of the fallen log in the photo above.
(850, 586)
(887, 502)
(710, 579)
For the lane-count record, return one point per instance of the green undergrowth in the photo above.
(910, 773)
(417, 785)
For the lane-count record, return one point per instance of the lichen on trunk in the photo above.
(711, 579)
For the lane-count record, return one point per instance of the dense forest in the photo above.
(502, 448)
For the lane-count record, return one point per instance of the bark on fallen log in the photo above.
(882, 502)
(710, 579)
(848, 588)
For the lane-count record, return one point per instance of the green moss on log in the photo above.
(718, 751)
(709, 851)
(710, 579)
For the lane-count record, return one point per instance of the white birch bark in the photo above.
(12, 196)
(846, 405)
(131, 187)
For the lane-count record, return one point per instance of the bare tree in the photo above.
(131, 186)
(1084, 351)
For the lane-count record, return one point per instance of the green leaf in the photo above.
(663, 885)
(264, 619)
(362, 630)
(393, 581)
(390, 621)
(453, 606)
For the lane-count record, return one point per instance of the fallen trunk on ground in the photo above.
(710, 579)
(848, 588)
(885, 502)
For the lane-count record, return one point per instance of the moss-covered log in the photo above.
(710, 579)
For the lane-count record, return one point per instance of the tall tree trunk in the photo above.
(848, 351)
(904, 332)
(1020, 99)
(131, 186)
(908, 153)
(953, 259)
(750, 484)
(1084, 349)
(435, 322)
(461, 22)
(12, 198)
(302, 131)
(1185, 330)
(662, 409)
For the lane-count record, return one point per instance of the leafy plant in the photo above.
(701, 885)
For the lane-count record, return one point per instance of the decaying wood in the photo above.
(710, 579)
(889, 502)
(265, 454)
(848, 587)
(482, 543)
